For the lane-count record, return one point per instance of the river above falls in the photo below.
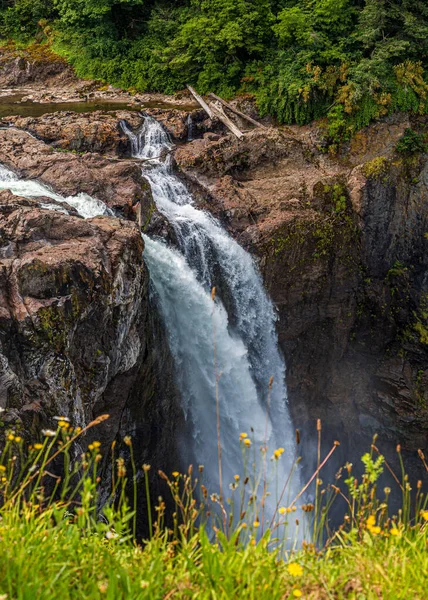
(13, 105)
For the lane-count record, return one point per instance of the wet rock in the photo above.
(118, 183)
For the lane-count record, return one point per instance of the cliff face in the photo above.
(341, 243)
(79, 335)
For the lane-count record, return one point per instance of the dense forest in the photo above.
(349, 60)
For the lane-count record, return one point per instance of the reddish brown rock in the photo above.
(117, 182)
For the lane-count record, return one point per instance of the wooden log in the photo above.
(236, 111)
(200, 101)
(221, 115)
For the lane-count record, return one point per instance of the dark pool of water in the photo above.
(12, 106)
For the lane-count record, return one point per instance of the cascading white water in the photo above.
(85, 205)
(245, 339)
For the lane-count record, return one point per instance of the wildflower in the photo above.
(282, 510)
(297, 593)
(425, 515)
(256, 523)
(375, 530)
(244, 526)
(175, 473)
(121, 469)
(10, 437)
(102, 586)
(2, 410)
(146, 468)
(18, 439)
(277, 453)
(2, 468)
(62, 419)
(295, 569)
(236, 478)
(371, 521)
(394, 531)
(243, 436)
(111, 535)
(48, 432)
(127, 440)
(38, 446)
(247, 442)
(144, 584)
(63, 424)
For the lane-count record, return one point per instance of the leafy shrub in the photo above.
(411, 143)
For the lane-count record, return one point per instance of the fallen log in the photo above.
(236, 111)
(200, 101)
(214, 110)
(221, 116)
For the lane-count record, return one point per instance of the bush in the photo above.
(411, 143)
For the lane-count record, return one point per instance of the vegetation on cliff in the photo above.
(349, 60)
(59, 539)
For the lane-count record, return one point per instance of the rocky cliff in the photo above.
(342, 245)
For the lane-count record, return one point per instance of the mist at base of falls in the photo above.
(231, 343)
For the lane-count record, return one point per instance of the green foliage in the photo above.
(349, 61)
(60, 539)
(411, 143)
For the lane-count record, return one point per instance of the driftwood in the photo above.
(236, 111)
(221, 115)
(201, 101)
(214, 110)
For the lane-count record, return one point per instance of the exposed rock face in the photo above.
(119, 183)
(342, 247)
(86, 132)
(78, 334)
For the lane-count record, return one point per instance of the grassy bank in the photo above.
(57, 542)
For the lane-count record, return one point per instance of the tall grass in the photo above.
(57, 541)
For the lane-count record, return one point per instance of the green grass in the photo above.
(59, 544)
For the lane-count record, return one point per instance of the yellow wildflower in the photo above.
(277, 453)
(375, 530)
(247, 442)
(282, 510)
(102, 586)
(63, 424)
(425, 515)
(295, 569)
(236, 478)
(144, 584)
(127, 440)
(18, 439)
(371, 521)
(394, 531)
(297, 593)
(175, 473)
(256, 523)
(10, 437)
(2, 468)
(96, 445)
(243, 436)
(38, 446)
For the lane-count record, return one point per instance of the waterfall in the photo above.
(241, 328)
(189, 123)
(85, 205)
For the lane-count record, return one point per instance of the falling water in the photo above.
(85, 205)
(243, 335)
